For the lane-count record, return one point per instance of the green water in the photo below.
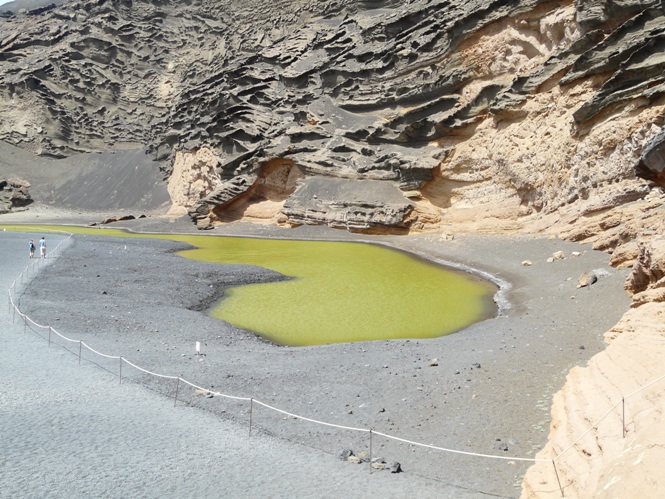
(338, 291)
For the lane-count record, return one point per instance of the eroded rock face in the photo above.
(193, 176)
(354, 205)
(622, 449)
(14, 194)
(502, 114)
(648, 272)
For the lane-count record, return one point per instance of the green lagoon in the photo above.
(337, 291)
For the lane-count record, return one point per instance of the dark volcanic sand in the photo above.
(492, 387)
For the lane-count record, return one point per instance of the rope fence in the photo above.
(34, 267)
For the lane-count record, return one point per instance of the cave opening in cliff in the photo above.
(264, 200)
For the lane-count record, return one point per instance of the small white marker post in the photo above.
(198, 348)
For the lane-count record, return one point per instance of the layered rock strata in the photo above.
(493, 110)
(385, 116)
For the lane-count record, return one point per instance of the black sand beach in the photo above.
(73, 431)
(489, 394)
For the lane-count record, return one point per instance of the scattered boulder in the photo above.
(651, 165)
(115, 218)
(587, 279)
(527, 263)
(14, 194)
(557, 255)
(395, 467)
(118, 218)
(377, 463)
(352, 204)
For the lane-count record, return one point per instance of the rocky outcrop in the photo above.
(14, 194)
(193, 176)
(347, 204)
(652, 161)
(647, 279)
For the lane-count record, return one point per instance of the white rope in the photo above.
(608, 413)
(99, 353)
(587, 431)
(466, 453)
(214, 393)
(309, 419)
(645, 386)
(38, 325)
(148, 372)
(64, 337)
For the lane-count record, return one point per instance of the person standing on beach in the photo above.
(31, 246)
(42, 247)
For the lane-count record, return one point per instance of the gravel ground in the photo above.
(490, 392)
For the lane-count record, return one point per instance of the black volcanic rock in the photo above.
(651, 165)
(353, 90)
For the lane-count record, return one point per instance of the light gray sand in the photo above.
(384, 385)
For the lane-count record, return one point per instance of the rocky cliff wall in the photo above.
(384, 116)
(494, 112)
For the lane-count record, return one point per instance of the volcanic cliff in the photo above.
(382, 116)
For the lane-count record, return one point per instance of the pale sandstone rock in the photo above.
(625, 255)
(587, 279)
(655, 294)
(649, 267)
(603, 463)
(193, 176)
